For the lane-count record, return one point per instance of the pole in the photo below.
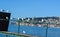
(18, 28)
(6, 35)
(46, 30)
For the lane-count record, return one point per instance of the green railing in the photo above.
(13, 34)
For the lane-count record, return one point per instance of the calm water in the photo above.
(34, 30)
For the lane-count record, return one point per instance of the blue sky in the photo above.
(31, 8)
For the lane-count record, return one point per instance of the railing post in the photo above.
(47, 30)
(18, 27)
(6, 35)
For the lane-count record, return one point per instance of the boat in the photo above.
(4, 20)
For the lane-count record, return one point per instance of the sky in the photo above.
(31, 8)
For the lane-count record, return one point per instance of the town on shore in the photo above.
(37, 21)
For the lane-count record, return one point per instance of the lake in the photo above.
(33, 31)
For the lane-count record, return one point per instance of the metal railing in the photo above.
(13, 34)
